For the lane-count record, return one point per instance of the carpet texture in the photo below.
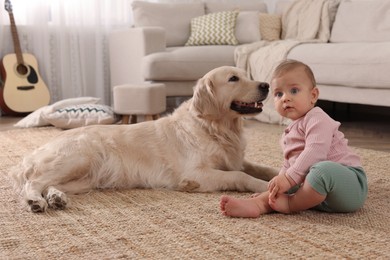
(159, 224)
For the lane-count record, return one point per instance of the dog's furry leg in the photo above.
(259, 171)
(216, 180)
(33, 196)
(188, 185)
(76, 187)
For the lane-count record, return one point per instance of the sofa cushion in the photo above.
(270, 27)
(186, 63)
(213, 29)
(213, 6)
(175, 18)
(362, 21)
(248, 27)
(357, 64)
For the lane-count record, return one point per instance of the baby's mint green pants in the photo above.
(345, 187)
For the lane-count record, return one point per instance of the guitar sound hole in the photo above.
(22, 69)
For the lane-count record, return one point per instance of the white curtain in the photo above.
(69, 40)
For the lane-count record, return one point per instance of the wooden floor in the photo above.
(364, 126)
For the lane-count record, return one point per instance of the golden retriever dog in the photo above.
(198, 148)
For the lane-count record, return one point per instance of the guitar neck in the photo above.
(15, 38)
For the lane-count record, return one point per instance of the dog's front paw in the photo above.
(37, 206)
(56, 199)
(57, 202)
(188, 185)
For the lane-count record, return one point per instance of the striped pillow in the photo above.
(81, 115)
(214, 29)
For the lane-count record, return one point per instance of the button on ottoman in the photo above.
(147, 99)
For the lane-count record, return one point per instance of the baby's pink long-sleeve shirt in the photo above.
(311, 139)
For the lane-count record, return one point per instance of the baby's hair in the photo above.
(289, 64)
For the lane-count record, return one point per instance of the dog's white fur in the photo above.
(200, 147)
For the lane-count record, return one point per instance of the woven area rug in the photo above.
(159, 224)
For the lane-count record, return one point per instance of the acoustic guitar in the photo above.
(23, 89)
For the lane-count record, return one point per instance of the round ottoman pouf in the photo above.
(148, 99)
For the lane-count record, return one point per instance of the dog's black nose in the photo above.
(264, 87)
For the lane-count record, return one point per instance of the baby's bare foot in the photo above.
(245, 208)
(280, 203)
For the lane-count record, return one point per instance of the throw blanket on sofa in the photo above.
(302, 22)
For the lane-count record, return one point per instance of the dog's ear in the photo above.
(204, 101)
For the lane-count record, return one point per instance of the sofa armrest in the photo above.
(128, 47)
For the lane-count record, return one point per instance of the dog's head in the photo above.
(228, 91)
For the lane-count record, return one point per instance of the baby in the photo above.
(319, 170)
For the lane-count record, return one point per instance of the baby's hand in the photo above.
(279, 184)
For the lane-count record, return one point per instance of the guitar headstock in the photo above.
(8, 6)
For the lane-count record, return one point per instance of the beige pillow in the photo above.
(362, 21)
(175, 18)
(270, 27)
(248, 27)
(214, 29)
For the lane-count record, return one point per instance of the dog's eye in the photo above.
(233, 78)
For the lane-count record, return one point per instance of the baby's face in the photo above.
(294, 93)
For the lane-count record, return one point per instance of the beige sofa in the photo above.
(153, 50)
(352, 66)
